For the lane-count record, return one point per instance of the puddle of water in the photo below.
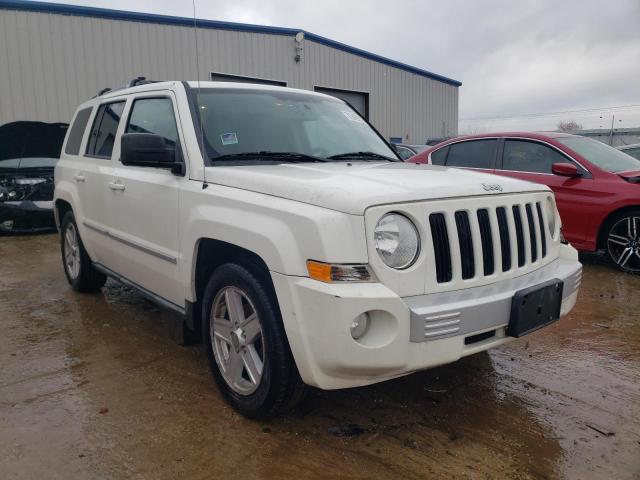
(92, 386)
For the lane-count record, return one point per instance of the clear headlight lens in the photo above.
(551, 217)
(397, 240)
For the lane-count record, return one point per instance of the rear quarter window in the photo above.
(77, 132)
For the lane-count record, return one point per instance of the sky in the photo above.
(523, 64)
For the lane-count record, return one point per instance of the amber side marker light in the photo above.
(335, 272)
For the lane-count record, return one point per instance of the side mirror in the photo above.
(149, 150)
(565, 170)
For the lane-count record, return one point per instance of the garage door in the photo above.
(358, 100)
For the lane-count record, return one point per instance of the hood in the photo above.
(631, 176)
(355, 186)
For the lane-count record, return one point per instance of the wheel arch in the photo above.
(61, 207)
(604, 226)
(210, 254)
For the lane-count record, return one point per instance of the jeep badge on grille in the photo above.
(492, 187)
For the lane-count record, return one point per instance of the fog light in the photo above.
(359, 326)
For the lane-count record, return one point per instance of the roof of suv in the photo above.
(200, 84)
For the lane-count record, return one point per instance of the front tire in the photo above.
(75, 260)
(623, 242)
(246, 345)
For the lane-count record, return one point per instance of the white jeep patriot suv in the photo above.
(284, 230)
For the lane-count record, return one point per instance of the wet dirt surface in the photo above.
(92, 386)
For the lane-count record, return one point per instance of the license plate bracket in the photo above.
(535, 307)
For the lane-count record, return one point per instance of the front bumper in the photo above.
(26, 216)
(405, 334)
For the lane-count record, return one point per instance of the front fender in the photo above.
(283, 233)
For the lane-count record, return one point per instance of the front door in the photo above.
(532, 161)
(145, 203)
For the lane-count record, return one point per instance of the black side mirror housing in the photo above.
(149, 150)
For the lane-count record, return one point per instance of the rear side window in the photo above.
(439, 156)
(105, 126)
(154, 115)
(525, 156)
(472, 154)
(77, 131)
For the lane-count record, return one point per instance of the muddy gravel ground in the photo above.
(92, 386)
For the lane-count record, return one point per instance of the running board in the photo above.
(179, 316)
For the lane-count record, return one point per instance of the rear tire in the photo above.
(622, 241)
(246, 345)
(76, 263)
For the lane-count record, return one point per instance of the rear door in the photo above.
(532, 160)
(145, 203)
(477, 154)
(91, 175)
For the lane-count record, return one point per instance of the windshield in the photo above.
(243, 121)
(601, 155)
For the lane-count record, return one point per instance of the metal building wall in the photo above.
(50, 62)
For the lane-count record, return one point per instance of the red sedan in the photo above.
(597, 187)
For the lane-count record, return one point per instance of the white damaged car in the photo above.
(287, 234)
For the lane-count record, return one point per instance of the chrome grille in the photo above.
(486, 238)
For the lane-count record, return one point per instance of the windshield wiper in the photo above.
(361, 155)
(286, 156)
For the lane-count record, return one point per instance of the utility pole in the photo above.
(613, 119)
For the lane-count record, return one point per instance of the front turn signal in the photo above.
(336, 272)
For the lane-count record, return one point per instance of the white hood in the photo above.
(353, 187)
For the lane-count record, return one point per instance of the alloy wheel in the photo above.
(237, 340)
(623, 243)
(71, 251)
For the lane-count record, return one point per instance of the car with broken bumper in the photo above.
(285, 232)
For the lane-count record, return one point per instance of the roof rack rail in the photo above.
(140, 81)
(103, 91)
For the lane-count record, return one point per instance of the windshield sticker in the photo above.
(229, 138)
(354, 117)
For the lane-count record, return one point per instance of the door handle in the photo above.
(79, 178)
(116, 187)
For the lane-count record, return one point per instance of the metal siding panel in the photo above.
(7, 100)
(108, 52)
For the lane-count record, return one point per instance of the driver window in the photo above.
(154, 115)
(526, 156)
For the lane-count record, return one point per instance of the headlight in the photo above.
(551, 217)
(397, 241)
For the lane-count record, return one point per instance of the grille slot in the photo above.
(517, 218)
(488, 263)
(543, 233)
(466, 245)
(505, 241)
(532, 233)
(441, 248)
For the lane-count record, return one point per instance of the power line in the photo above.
(559, 113)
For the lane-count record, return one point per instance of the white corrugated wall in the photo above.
(50, 62)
